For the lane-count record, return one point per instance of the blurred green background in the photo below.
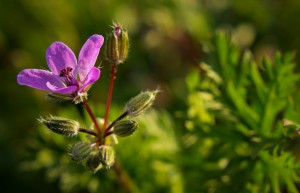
(168, 40)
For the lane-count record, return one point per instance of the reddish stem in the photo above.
(115, 121)
(88, 131)
(108, 133)
(109, 95)
(90, 112)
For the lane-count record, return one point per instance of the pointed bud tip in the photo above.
(60, 125)
(117, 30)
(117, 45)
(142, 102)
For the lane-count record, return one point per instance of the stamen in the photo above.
(68, 76)
(62, 73)
(69, 69)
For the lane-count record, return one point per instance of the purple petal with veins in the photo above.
(88, 55)
(91, 77)
(59, 56)
(38, 78)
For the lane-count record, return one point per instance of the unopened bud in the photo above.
(80, 150)
(117, 45)
(93, 161)
(125, 128)
(107, 155)
(63, 126)
(139, 104)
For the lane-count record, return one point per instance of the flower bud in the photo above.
(125, 128)
(80, 151)
(139, 104)
(93, 161)
(107, 155)
(63, 126)
(117, 45)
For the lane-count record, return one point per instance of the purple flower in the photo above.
(68, 78)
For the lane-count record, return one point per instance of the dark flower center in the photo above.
(68, 77)
(66, 72)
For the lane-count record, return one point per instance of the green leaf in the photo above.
(248, 114)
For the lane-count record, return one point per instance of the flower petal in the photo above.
(91, 77)
(88, 55)
(64, 90)
(59, 56)
(36, 78)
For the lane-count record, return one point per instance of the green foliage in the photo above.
(236, 109)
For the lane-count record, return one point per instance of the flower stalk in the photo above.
(108, 133)
(91, 114)
(109, 95)
(122, 116)
(88, 132)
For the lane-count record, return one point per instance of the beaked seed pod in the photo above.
(63, 126)
(117, 45)
(139, 104)
(80, 150)
(125, 128)
(107, 155)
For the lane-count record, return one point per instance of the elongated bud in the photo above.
(107, 155)
(80, 150)
(139, 104)
(63, 126)
(125, 128)
(117, 45)
(93, 161)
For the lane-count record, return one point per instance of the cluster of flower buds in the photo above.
(94, 157)
(97, 155)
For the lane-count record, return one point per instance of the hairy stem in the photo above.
(88, 131)
(108, 133)
(115, 121)
(91, 114)
(109, 95)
